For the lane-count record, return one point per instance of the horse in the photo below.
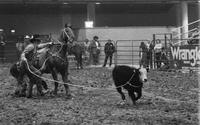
(55, 61)
(77, 49)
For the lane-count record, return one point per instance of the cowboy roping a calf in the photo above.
(54, 61)
(38, 58)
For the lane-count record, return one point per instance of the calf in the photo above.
(21, 89)
(130, 79)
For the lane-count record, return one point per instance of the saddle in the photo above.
(41, 56)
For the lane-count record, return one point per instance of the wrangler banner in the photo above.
(187, 56)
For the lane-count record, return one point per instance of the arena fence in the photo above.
(183, 55)
(128, 52)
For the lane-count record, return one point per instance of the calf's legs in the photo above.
(121, 93)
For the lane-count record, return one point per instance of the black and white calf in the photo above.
(131, 79)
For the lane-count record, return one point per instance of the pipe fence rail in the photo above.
(127, 52)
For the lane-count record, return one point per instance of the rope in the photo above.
(66, 33)
(128, 83)
(55, 55)
(52, 54)
(85, 87)
(63, 83)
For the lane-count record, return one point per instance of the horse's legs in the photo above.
(39, 88)
(77, 60)
(30, 87)
(80, 61)
(55, 77)
(65, 80)
(21, 88)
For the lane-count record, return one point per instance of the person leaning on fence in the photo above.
(157, 49)
(143, 54)
(2, 46)
(109, 49)
(94, 49)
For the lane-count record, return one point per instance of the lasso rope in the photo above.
(56, 55)
(53, 55)
(63, 83)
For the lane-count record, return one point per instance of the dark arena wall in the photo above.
(45, 18)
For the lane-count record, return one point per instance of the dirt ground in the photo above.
(169, 98)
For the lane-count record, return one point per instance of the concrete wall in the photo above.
(46, 21)
(122, 33)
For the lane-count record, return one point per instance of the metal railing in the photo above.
(128, 52)
(177, 31)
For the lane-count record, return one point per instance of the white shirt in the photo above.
(158, 46)
(97, 44)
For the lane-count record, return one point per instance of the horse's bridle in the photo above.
(56, 54)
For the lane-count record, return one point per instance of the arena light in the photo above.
(1, 30)
(12, 31)
(97, 3)
(89, 24)
(65, 3)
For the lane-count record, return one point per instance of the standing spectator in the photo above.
(157, 49)
(86, 51)
(94, 49)
(164, 60)
(2, 45)
(150, 47)
(109, 49)
(143, 54)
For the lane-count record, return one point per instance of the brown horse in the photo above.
(55, 61)
(77, 49)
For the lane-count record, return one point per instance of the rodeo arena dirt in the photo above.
(169, 97)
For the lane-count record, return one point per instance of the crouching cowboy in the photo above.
(26, 67)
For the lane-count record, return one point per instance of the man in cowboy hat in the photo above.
(94, 49)
(30, 51)
(27, 59)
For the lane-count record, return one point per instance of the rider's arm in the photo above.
(26, 51)
(43, 45)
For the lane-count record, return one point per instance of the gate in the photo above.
(128, 52)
